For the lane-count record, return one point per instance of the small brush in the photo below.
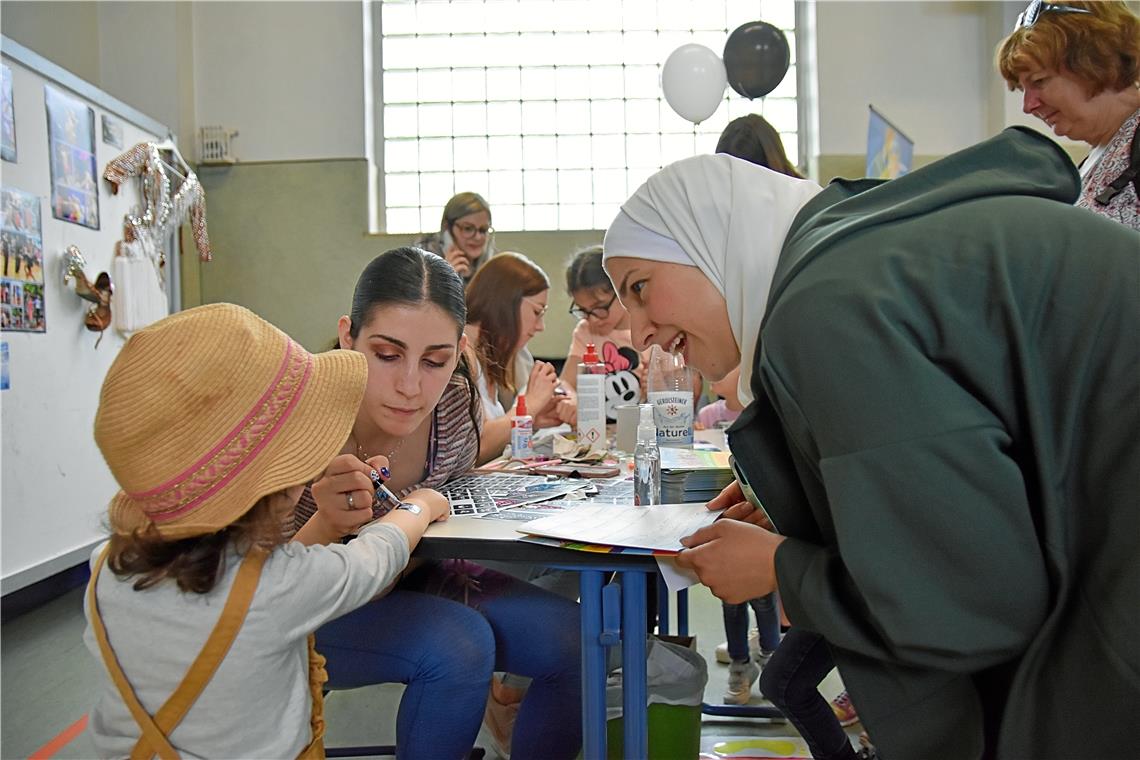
(383, 492)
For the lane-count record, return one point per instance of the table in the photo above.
(606, 610)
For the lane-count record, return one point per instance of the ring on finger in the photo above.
(348, 498)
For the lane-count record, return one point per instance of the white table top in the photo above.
(467, 537)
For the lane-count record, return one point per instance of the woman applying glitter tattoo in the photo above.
(446, 626)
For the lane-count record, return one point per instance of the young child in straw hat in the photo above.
(212, 421)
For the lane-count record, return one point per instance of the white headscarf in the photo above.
(724, 215)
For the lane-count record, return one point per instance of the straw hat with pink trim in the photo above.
(205, 412)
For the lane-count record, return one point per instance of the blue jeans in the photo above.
(443, 631)
(736, 625)
(790, 681)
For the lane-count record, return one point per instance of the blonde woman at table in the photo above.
(465, 239)
(446, 626)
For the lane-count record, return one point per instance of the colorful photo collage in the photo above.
(22, 284)
(7, 117)
(71, 144)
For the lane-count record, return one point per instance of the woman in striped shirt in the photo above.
(436, 629)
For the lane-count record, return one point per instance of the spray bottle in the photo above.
(646, 461)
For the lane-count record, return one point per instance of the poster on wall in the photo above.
(22, 286)
(8, 119)
(112, 131)
(71, 150)
(889, 151)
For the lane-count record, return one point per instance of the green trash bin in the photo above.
(676, 678)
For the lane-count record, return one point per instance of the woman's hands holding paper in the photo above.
(735, 556)
(736, 560)
(736, 507)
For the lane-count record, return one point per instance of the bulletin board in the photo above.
(55, 485)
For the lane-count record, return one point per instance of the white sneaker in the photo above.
(753, 647)
(741, 676)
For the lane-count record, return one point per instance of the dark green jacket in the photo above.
(947, 427)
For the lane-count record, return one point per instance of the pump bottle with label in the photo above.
(591, 383)
(522, 428)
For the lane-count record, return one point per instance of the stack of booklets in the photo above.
(692, 475)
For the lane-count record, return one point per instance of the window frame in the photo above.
(807, 111)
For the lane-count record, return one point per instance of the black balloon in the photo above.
(756, 57)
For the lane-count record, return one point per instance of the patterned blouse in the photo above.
(1125, 207)
(452, 446)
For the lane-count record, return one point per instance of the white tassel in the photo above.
(139, 298)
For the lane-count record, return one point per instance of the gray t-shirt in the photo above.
(258, 702)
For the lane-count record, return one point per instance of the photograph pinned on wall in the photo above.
(112, 131)
(8, 119)
(22, 306)
(71, 151)
(21, 236)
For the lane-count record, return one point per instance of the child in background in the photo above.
(212, 421)
(727, 408)
(603, 321)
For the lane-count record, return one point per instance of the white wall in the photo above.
(287, 75)
(55, 485)
(925, 65)
(929, 66)
(64, 33)
(146, 60)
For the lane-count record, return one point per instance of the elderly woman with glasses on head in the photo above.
(1078, 65)
(465, 238)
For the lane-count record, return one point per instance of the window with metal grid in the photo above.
(550, 109)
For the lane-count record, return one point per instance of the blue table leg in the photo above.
(683, 612)
(635, 695)
(593, 667)
(662, 607)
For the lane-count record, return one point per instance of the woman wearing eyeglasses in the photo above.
(1078, 65)
(506, 304)
(603, 321)
(465, 238)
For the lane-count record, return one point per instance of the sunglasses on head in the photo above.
(1035, 9)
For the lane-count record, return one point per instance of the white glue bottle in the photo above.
(522, 428)
(646, 461)
(671, 393)
(592, 400)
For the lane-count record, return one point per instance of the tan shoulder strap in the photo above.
(154, 731)
(149, 731)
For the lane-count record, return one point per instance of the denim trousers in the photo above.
(443, 631)
(736, 625)
(790, 681)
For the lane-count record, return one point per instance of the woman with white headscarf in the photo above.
(944, 376)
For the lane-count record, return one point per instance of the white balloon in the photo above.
(694, 79)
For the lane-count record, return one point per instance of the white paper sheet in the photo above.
(660, 527)
(676, 578)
